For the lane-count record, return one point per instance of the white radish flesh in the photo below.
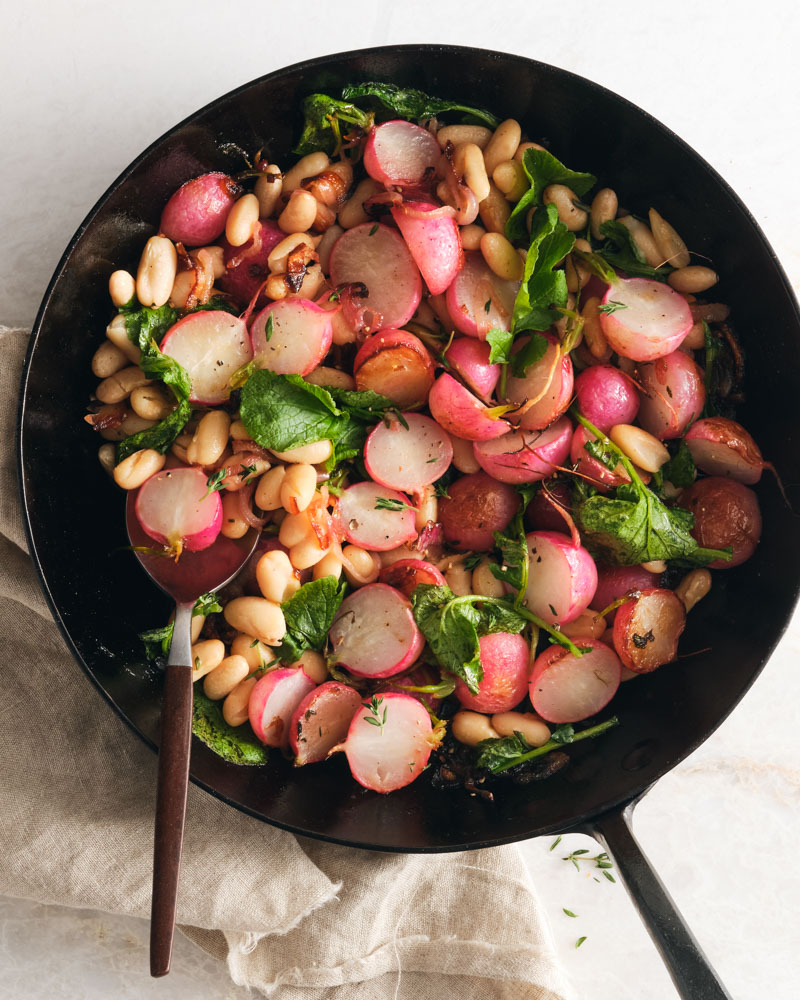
(562, 577)
(653, 323)
(721, 447)
(566, 688)
(505, 659)
(273, 700)
(302, 333)
(647, 629)
(606, 396)
(459, 412)
(549, 381)
(321, 720)
(526, 456)
(400, 154)
(367, 525)
(470, 359)
(434, 241)
(478, 300)
(396, 364)
(408, 458)
(211, 346)
(175, 508)
(374, 633)
(674, 395)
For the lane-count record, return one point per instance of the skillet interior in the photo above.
(101, 599)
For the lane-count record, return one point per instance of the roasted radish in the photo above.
(614, 582)
(321, 720)
(273, 701)
(647, 629)
(291, 336)
(562, 577)
(400, 154)
(469, 358)
(211, 346)
(545, 391)
(246, 266)
(396, 364)
(176, 508)
(525, 456)
(725, 513)
(408, 454)
(585, 464)
(461, 413)
(406, 575)
(376, 518)
(478, 300)
(196, 213)
(374, 633)
(606, 396)
(674, 395)
(476, 507)
(721, 447)
(567, 688)
(653, 321)
(505, 658)
(434, 240)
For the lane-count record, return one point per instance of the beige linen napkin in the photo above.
(296, 919)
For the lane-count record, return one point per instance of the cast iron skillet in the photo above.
(100, 599)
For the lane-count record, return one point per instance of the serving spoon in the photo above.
(185, 579)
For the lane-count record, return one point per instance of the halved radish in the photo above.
(674, 395)
(616, 581)
(211, 346)
(542, 513)
(475, 508)
(374, 633)
(373, 525)
(302, 333)
(505, 659)
(400, 154)
(273, 701)
(562, 578)
(246, 266)
(389, 742)
(434, 240)
(175, 508)
(606, 396)
(395, 364)
(196, 212)
(377, 256)
(470, 359)
(549, 381)
(721, 447)
(478, 300)
(647, 629)
(525, 456)
(653, 323)
(567, 688)
(725, 513)
(587, 465)
(406, 575)
(321, 720)
(459, 412)
(408, 457)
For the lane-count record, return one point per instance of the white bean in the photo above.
(121, 287)
(468, 161)
(472, 727)
(329, 565)
(313, 664)
(117, 333)
(108, 359)
(258, 617)
(471, 236)
(502, 145)
(641, 447)
(459, 579)
(300, 212)
(151, 402)
(276, 577)
(693, 279)
(106, 455)
(535, 732)
(604, 209)
(327, 377)
(307, 166)
(484, 582)
(235, 708)
(277, 260)
(294, 529)
(138, 467)
(365, 566)
(643, 239)
(671, 247)
(459, 134)
(242, 220)
(233, 524)
(502, 257)
(512, 180)
(120, 385)
(253, 650)
(223, 679)
(352, 213)
(156, 274)
(268, 191)
(694, 587)
(494, 210)
(464, 455)
(564, 199)
(210, 439)
(206, 656)
(298, 487)
(268, 490)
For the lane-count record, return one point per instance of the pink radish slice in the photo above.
(273, 700)
(434, 241)
(211, 346)
(371, 527)
(396, 364)
(473, 288)
(406, 575)
(505, 658)
(553, 384)
(394, 753)
(525, 456)
(245, 277)
(196, 213)
(377, 256)
(646, 630)
(606, 396)
(321, 720)
(470, 359)
(616, 581)
(408, 458)
(173, 508)
(674, 395)
(567, 688)
(653, 323)
(562, 577)
(374, 633)
(721, 447)
(477, 507)
(588, 465)
(400, 154)
(725, 513)
(302, 334)
(460, 413)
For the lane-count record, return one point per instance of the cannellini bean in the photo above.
(564, 199)
(298, 487)
(108, 359)
(464, 455)
(501, 257)
(156, 274)
(181, 289)
(276, 577)
(604, 209)
(468, 161)
(120, 385)
(306, 166)
(655, 566)
(671, 247)
(121, 287)
(235, 708)
(592, 330)
(693, 279)
(643, 239)
(365, 566)
(352, 213)
(151, 401)
(300, 211)
(695, 339)
(459, 578)
(210, 439)
(280, 253)
(427, 508)
(494, 210)
(118, 335)
(329, 565)
(253, 650)
(217, 255)
(326, 245)
(512, 180)
(133, 423)
(694, 587)
(588, 625)
(268, 190)
(277, 287)
(206, 656)
(233, 524)
(242, 220)
(258, 617)
(471, 236)
(641, 447)
(106, 455)
(536, 732)
(136, 468)
(484, 582)
(294, 529)
(502, 145)
(313, 664)
(472, 727)
(523, 146)
(239, 432)
(459, 134)
(268, 490)
(223, 679)
(328, 377)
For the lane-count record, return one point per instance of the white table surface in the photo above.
(86, 85)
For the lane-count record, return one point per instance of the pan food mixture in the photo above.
(480, 414)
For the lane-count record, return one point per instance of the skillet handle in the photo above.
(693, 976)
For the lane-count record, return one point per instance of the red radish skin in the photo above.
(459, 412)
(551, 378)
(606, 396)
(302, 333)
(616, 581)
(541, 514)
(434, 240)
(175, 508)
(562, 577)
(476, 507)
(371, 527)
(647, 629)
(471, 289)
(674, 395)
(654, 322)
(374, 633)
(395, 364)
(386, 757)
(566, 688)
(526, 456)
(377, 256)
(321, 720)
(505, 658)
(273, 701)
(196, 213)
(247, 270)
(211, 346)
(406, 575)
(469, 358)
(725, 513)
(400, 154)
(408, 457)
(721, 447)
(586, 465)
